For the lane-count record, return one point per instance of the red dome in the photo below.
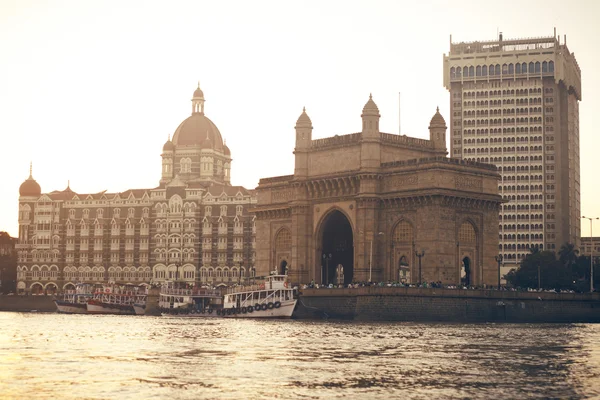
(194, 131)
(30, 188)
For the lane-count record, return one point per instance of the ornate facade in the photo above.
(378, 206)
(194, 226)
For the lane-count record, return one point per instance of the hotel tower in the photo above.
(515, 104)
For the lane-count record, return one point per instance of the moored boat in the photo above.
(273, 298)
(75, 301)
(118, 299)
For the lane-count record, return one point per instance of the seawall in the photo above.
(449, 305)
(27, 303)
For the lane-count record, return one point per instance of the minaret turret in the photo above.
(437, 131)
(370, 119)
(303, 141)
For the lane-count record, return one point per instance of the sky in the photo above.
(91, 90)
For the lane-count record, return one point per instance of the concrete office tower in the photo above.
(515, 103)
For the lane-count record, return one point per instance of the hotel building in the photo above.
(194, 226)
(515, 104)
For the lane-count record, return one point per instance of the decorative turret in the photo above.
(30, 187)
(437, 131)
(303, 141)
(370, 119)
(167, 160)
(198, 101)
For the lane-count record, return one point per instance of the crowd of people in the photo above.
(425, 284)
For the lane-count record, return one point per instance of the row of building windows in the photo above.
(498, 103)
(500, 111)
(506, 69)
(504, 92)
(521, 227)
(497, 131)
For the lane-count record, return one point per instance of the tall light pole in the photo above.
(499, 259)
(591, 254)
(420, 255)
(371, 256)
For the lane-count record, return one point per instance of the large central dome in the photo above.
(195, 130)
(198, 130)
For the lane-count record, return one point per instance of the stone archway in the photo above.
(336, 244)
(37, 288)
(466, 272)
(283, 267)
(404, 270)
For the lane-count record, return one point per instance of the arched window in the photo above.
(478, 70)
(283, 241)
(466, 234)
(511, 68)
(537, 67)
(551, 66)
(484, 70)
(403, 233)
(531, 67)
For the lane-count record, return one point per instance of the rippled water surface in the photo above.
(126, 357)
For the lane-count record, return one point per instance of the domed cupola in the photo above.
(370, 108)
(30, 187)
(194, 130)
(437, 131)
(304, 120)
(169, 146)
(226, 150)
(437, 121)
(370, 119)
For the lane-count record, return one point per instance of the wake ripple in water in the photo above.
(125, 357)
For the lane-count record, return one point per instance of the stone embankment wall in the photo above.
(27, 303)
(427, 304)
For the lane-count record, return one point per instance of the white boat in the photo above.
(75, 301)
(179, 297)
(274, 298)
(118, 299)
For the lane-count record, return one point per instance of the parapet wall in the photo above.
(421, 304)
(27, 303)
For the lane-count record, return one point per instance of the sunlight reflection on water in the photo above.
(83, 356)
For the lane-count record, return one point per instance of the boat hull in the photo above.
(64, 307)
(96, 307)
(285, 311)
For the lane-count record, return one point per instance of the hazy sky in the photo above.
(90, 90)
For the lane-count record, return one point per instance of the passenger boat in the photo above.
(179, 297)
(75, 301)
(118, 299)
(273, 298)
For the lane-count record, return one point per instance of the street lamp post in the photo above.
(591, 254)
(420, 255)
(499, 259)
(325, 278)
(371, 256)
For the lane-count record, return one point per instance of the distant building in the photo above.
(369, 203)
(194, 226)
(586, 246)
(515, 104)
(8, 265)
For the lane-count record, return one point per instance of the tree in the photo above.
(568, 254)
(553, 274)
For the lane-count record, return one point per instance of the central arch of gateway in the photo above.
(379, 206)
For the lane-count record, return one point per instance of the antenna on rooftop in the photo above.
(399, 120)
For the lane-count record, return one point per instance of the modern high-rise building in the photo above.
(515, 104)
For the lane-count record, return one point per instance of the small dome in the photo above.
(169, 146)
(226, 150)
(304, 120)
(198, 93)
(30, 188)
(437, 121)
(370, 108)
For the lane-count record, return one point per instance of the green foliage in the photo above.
(567, 271)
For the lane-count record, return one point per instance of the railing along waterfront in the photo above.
(191, 292)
